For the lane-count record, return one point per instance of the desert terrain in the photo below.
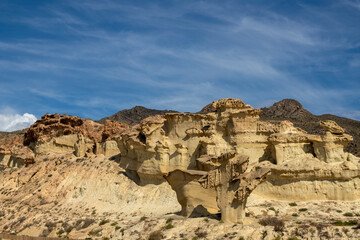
(67, 177)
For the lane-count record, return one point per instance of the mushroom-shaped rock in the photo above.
(331, 126)
(194, 199)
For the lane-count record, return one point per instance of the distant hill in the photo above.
(134, 115)
(290, 109)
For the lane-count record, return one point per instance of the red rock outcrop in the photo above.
(112, 128)
(56, 125)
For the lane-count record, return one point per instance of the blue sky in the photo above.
(92, 58)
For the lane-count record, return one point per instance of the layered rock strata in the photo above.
(304, 166)
(64, 133)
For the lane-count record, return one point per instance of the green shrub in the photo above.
(169, 220)
(346, 223)
(295, 215)
(143, 218)
(169, 226)
(114, 224)
(348, 214)
(293, 204)
(302, 209)
(156, 235)
(103, 222)
(94, 233)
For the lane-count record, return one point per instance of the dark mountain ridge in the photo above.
(134, 115)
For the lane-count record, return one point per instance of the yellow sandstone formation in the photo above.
(303, 166)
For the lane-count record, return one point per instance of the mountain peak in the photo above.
(289, 108)
(134, 115)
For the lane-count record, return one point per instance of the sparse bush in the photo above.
(156, 235)
(50, 225)
(169, 226)
(94, 233)
(346, 223)
(83, 223)
(114, 224)
(302, 209)
(348, 214)
(295, 215)
(106, 238)
(272, 209)
(293, 204)
(339, 211)
(67, 227)
(241, 238)
(117, 227)
(206, 219)
(278, 224)
(50, 175)
(201, 234)
(143, 218)
(103, 222)
(169, 220)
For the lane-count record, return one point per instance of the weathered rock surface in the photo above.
(111, 129)
(193, 198)
(332, 127)
(233, 186)
(63, 133)
(13, 153)
(160, 145)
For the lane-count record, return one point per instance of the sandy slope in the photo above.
(61, 195)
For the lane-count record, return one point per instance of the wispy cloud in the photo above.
(355, 4)
(93, 58)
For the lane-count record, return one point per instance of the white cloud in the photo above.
(12, 122)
